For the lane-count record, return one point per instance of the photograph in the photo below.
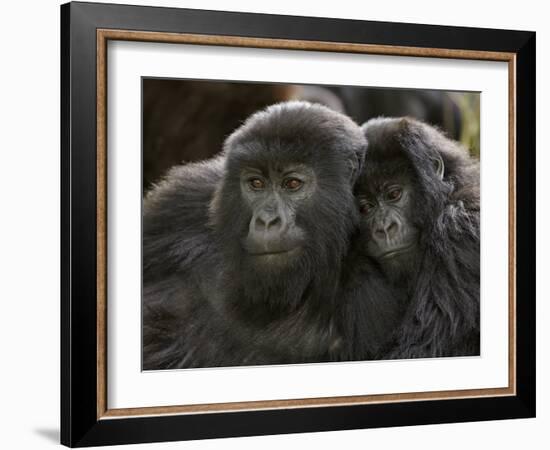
(288, 224)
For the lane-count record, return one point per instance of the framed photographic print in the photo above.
(277, 224)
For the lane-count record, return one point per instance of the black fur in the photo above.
(204, 303)
(442, 284)
(370, 308)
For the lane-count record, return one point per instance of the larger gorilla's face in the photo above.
(286, 202)
(274, 196)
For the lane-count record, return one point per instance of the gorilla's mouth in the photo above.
(274, 252)
(397, 251)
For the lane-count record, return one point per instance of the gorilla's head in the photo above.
(412, 172)
(285, 207)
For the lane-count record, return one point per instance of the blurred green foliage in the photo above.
(469, 105)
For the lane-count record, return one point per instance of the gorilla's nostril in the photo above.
(268, 222)
(386, 232)
(392, 229)
(273, 223)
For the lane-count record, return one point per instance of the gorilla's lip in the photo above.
(273, 252)
(396, 251)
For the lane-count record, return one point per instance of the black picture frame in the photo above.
(80, 424)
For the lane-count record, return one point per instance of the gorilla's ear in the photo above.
(427, 138)
(439, 166)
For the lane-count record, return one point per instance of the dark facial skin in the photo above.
(386, 201)
(273, 197)
(390, 201)
(387, 209)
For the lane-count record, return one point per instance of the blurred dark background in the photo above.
(187, 120)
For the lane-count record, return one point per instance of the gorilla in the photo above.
(418, 196)
(242, 254)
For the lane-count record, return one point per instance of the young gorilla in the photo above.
(419, 199)
(242, 254)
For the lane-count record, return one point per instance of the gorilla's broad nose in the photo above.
(268, 221)
(386, 231)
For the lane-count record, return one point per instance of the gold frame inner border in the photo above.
(103, 36)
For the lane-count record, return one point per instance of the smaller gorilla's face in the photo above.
(273, 197)
(387, 209)
(284, 210)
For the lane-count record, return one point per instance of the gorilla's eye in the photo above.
(365, 207)
(394, 194)
(292, 184)
(256, 183)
